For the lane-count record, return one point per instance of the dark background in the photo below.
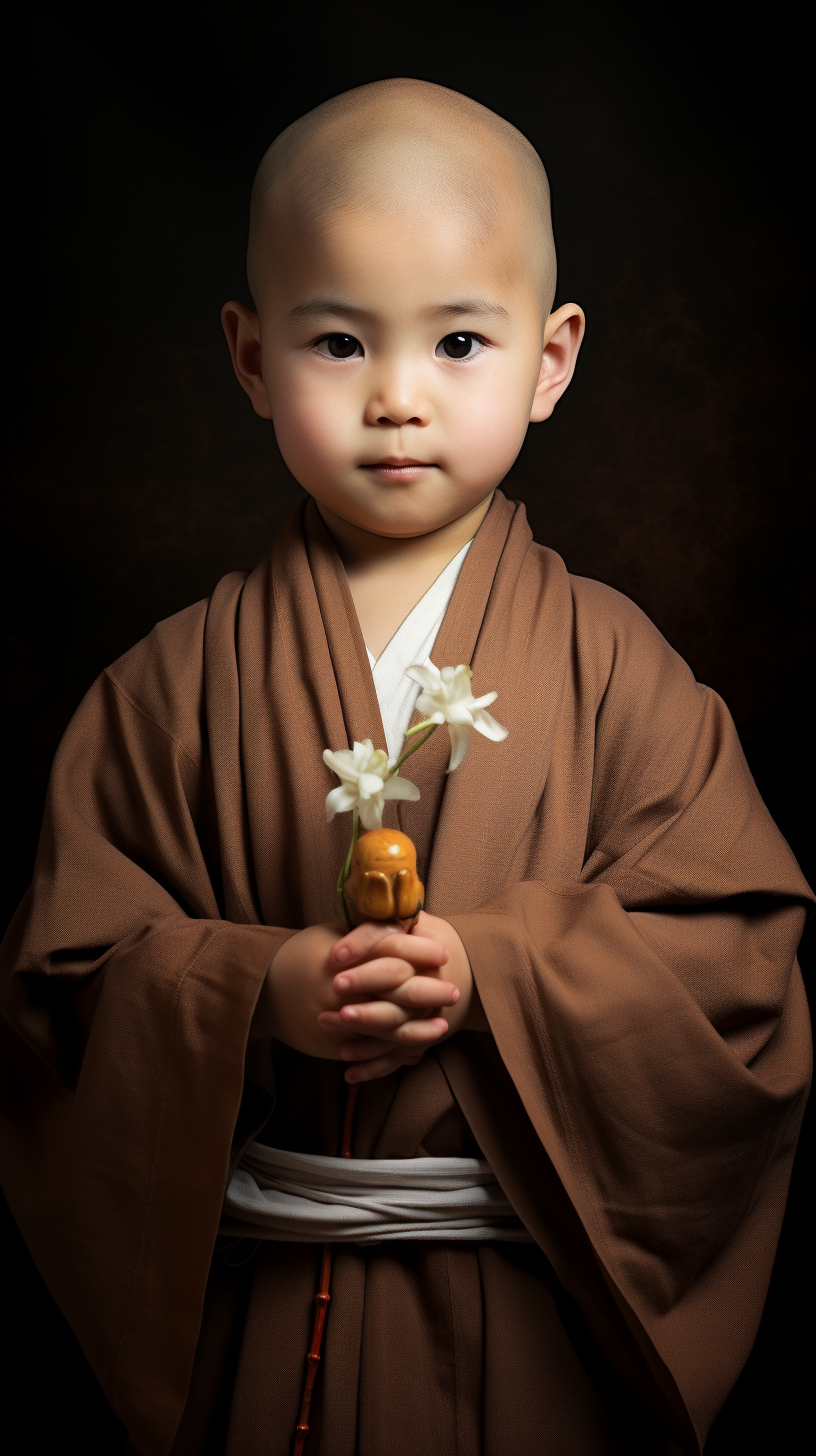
(674, 468)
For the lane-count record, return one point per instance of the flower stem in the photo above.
(418, 727)
(413, 748)
(346, 870)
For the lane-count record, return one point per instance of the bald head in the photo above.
(395, 145)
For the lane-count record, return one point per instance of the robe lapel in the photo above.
(356, 694)
(455, 643)
(511, 620)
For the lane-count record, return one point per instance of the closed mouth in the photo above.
(392, 463)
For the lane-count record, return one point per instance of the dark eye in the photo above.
(339, 346)
(458, 346)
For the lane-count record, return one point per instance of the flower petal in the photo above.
(459, 713)
(341, 763)
(425, 674)
(339, 801)
(369, 784)
(397, 788)
(459, 736)
(371, 812)
(487, 725)
(430, 705)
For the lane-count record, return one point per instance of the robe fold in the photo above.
(631, 915)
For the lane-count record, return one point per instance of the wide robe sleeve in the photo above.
(127, 1000)
(653, 1023)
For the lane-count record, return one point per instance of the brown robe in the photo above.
(631, 916)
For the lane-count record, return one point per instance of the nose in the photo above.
(397, 398)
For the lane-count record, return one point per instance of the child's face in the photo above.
(401, 361)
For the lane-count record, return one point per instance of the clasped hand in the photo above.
(373, 996)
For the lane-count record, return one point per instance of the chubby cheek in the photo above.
(485, 431)
(313, 429)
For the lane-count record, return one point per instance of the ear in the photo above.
(376, 898)
(562, 339)
(243, 330)
(410, 894)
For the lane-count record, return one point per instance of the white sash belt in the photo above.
(305, 1198)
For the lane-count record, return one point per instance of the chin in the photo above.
(390, 515)
(404, 523)
(399, 530)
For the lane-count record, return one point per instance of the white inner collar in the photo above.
(411, 643)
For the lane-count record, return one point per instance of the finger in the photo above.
(380, 1067)
(420, 997)
(418, 950)
(360, 941)
(336, 1026)
(385, 973)
(383, 980)
(372, 1018)
(414, 1033)
(422, 993)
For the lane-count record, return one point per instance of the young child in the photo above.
(602, 1000)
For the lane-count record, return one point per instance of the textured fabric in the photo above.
(310, 1198)
(631, 916)
(413, 642)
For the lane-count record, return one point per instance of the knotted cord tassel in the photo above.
(322, 1298)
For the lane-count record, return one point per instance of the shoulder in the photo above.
(162, 677)
(646, 698)
(614, 629)
(613, 640)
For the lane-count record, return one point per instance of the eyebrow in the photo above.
(484, 307)
(320, 307)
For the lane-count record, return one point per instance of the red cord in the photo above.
(323, 1297)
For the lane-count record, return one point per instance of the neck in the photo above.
(364, 552)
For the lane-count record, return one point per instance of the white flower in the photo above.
(446, 698)
(364, 783)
